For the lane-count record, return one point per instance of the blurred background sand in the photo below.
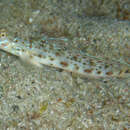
(34, 99)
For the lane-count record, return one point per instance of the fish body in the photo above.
(83, 65)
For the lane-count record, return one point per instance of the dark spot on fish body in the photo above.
(109, 73)
(16, 40)
(106, 66)
(57, 54)
(88, 70)
(92, 63)
(40, 55)
(51, 58)
(99, 72)
(64, 64)
(75, 58)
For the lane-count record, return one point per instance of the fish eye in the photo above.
(3, 34)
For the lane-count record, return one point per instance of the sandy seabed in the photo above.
(33, 98)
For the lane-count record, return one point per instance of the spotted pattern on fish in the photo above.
(79, 64)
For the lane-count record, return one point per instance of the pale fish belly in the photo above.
(83, 65)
